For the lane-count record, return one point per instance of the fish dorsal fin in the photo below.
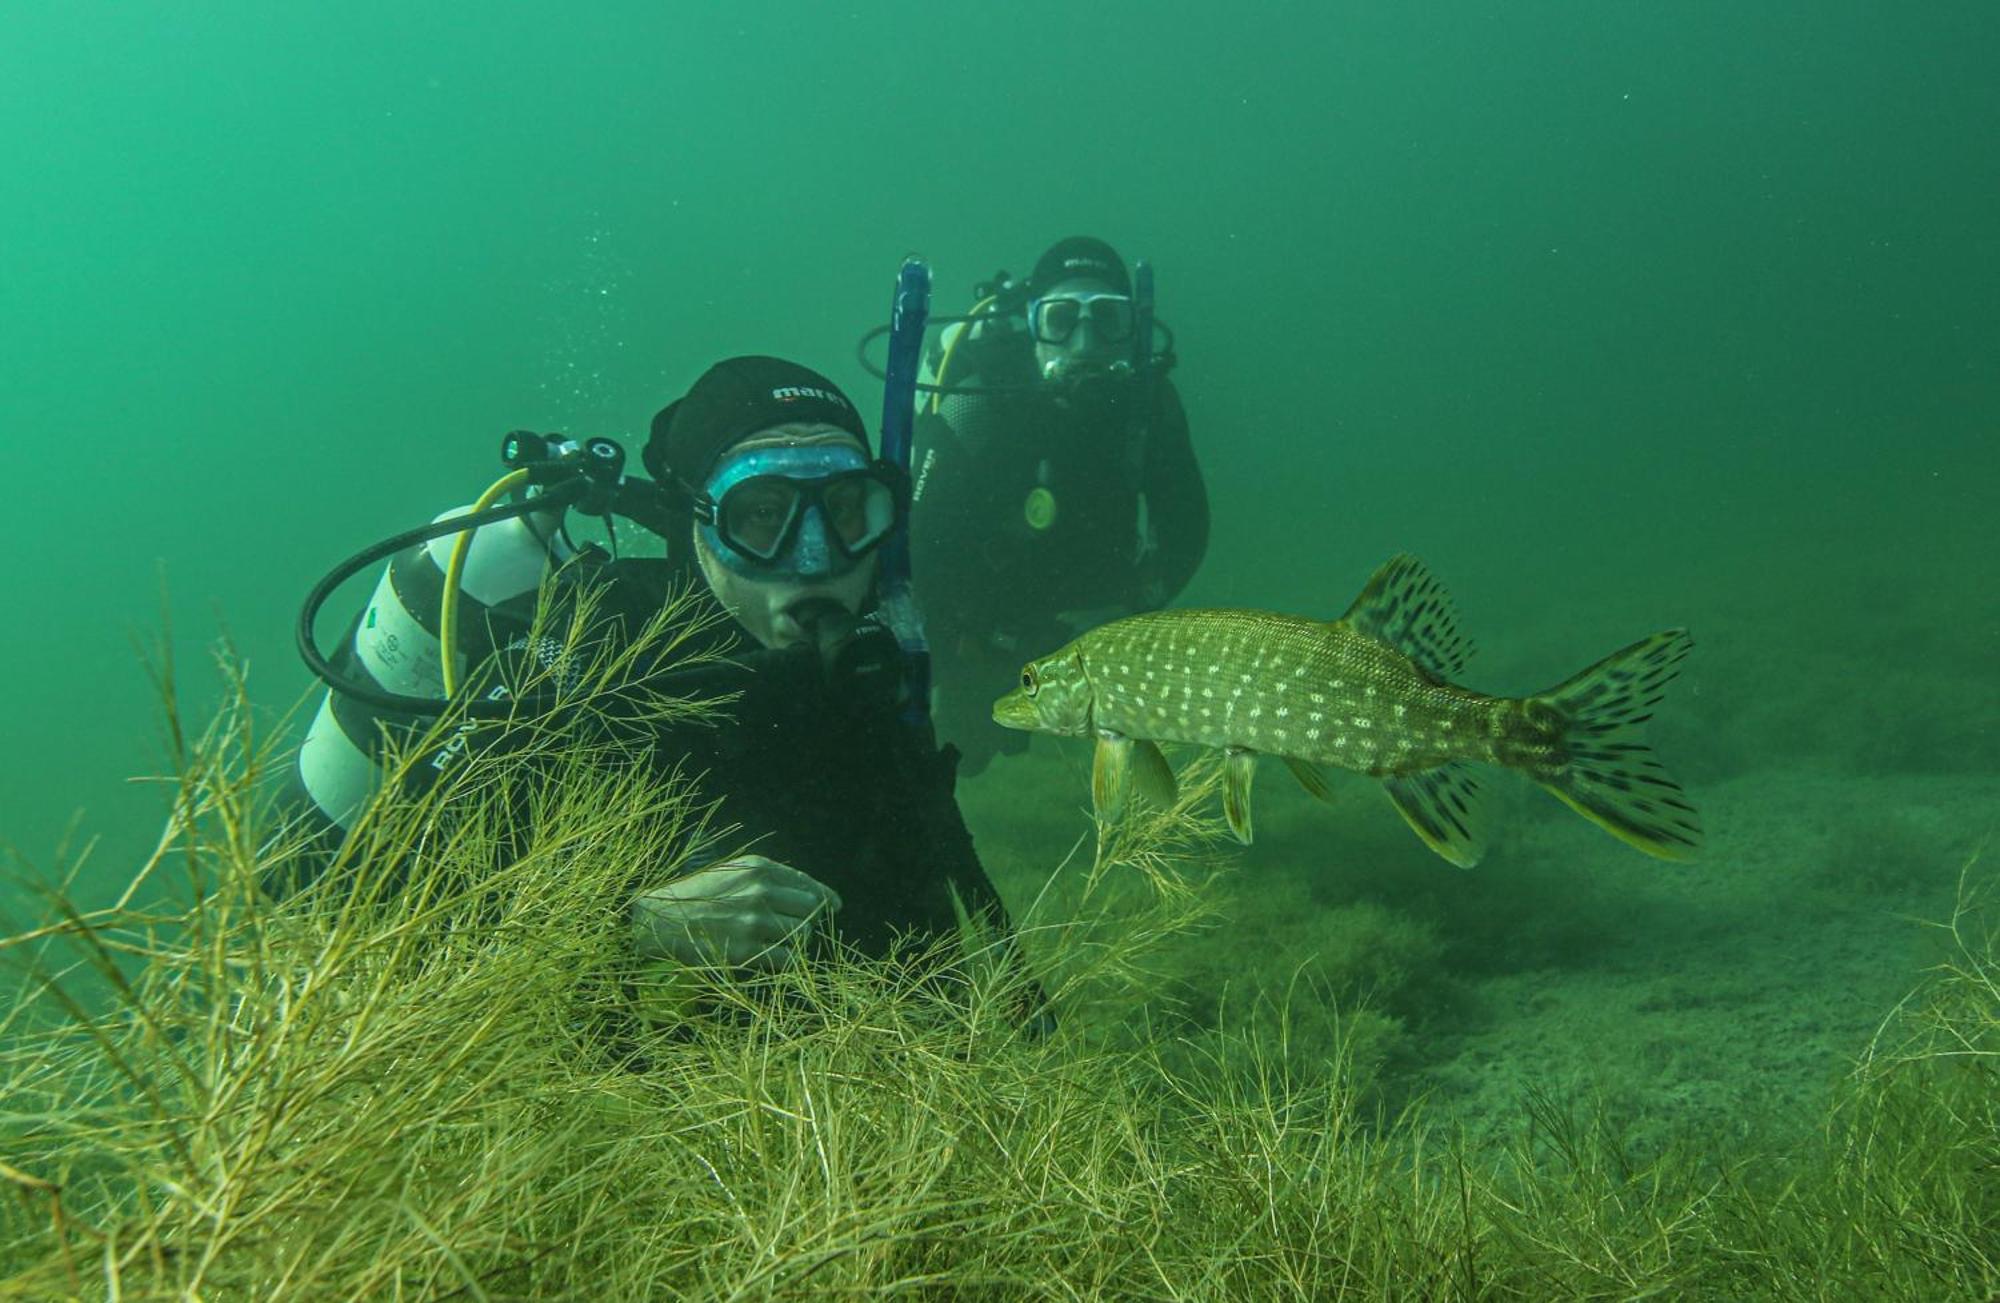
(1402, 605)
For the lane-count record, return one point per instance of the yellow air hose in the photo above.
(944, 363)
(454, 572)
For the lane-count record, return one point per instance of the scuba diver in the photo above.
(1055, 485)
(776, 515)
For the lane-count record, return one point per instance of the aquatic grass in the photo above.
(1897, 1197)
(462, 1088)
(1911, 1190)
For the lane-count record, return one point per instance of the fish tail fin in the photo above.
(1594, 760)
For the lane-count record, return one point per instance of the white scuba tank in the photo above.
(396, 648)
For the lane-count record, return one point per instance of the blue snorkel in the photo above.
(909, 311)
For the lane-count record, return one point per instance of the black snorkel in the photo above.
(1147, 366)
(1142, 318)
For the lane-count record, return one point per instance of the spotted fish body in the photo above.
(1281, 685)
(1370, 692)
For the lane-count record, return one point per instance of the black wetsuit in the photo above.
(1123, 519)
(817, 766)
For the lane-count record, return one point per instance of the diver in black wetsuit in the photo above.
(847, 803)
(1055, 484)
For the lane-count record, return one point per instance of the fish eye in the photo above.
(1029, 683)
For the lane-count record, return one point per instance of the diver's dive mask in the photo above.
(1053, 318)
(807, 511)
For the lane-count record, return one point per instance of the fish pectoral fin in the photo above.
(1238, 770)
(1153, 776)
(1110, 772)
(1311, 777)
(1445, 807)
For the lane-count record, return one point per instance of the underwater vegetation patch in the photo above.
(463, 1088)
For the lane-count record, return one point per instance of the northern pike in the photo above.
(1369, 692)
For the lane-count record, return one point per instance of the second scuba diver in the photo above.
(778, 507)
(1055, 483)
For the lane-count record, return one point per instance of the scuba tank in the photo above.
(442, 586)
(396, 645)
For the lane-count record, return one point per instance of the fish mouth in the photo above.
(1015, 711)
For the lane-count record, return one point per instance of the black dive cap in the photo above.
(735, 398)
(1079, 256)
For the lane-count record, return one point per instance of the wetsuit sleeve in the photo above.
(1176, 501)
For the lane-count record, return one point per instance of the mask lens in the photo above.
(755, 515)
(1055, 319)
(1111, 317)
(860, 509)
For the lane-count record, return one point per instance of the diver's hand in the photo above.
(738, 913)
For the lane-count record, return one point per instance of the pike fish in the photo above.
(1370, 692)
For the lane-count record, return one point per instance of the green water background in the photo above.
(1621, 316)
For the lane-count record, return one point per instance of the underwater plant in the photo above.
(460, 1088)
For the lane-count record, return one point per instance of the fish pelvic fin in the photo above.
(1603, 770)
(1311, 777)
(1403, 606)
(1238, 769)
(1446, 807)
(1152, 776)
